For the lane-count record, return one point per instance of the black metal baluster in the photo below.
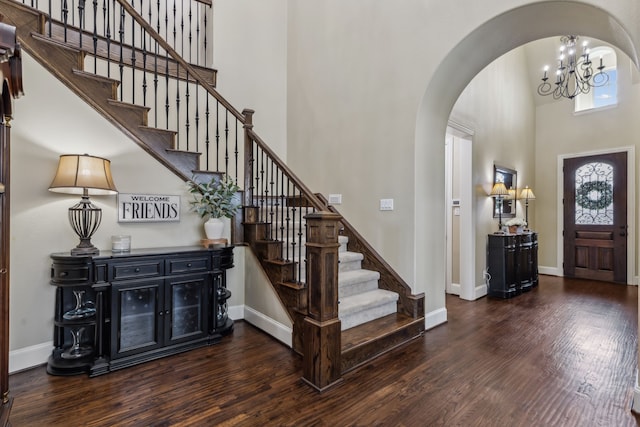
(300, 233)
(50, 15)
(175, 9)
(236, 152)
(144, 66)
(190, 32)
(187, 122)
(106, 14)
(81, 21)
(181, 30)
(166, 80)
(226, 141)
(133, 57)
(65, 12)
(262, 180)
(207, 142)
(198, 9)
(121, 60)
(217, 136)
(286, 219)
(95, 36)
(197, 118)
(270, 197)
(178, 104)
(204, 43)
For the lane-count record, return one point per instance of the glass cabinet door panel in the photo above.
(188, 304)
(136, 316)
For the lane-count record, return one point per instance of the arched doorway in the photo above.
(477, 50)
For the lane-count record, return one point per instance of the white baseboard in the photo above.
(29, 357)
(481, 291)
(454, 289)
(236, 312)
(435, 318)
(550, 271)
(276, 329)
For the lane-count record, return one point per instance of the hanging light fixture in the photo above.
(575, 73)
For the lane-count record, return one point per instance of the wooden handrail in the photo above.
(178, 58)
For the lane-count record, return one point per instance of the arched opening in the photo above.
(476, 51)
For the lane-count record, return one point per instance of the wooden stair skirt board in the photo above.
(363, 343)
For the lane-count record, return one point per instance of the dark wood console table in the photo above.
(512, 264)
(115, 310)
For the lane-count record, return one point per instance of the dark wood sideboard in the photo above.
(512, 264)
(116, 310)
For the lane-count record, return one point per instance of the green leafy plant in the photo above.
(214, 199)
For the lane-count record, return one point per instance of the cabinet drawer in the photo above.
(187, 265)
(139, 268)
(69, 274)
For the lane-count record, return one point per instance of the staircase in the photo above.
(197, 132)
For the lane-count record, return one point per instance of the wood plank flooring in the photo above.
(563, 354)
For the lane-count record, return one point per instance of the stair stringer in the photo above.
(66, 64)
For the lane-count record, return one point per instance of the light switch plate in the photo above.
(335, 199)
(386, 204)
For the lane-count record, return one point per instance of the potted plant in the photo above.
(214, 200)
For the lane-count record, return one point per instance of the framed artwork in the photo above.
(509, 178)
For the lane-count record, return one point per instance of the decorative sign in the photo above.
(148, 208)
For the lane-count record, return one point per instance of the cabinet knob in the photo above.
(161, 313)
(189, 265)
(137, 270)
(63, 274)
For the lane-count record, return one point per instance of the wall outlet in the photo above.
(335, 199)
(386, 204)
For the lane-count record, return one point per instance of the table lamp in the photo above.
(527, 194)
(86, 175)
(499, 191)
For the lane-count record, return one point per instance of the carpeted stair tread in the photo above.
(356, 282)
(349, 260)
(361, 308)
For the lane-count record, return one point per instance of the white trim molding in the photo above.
(550, 271)
(29, 357)
(435, 318)
(272, 327)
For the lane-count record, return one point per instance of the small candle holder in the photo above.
(121, 243)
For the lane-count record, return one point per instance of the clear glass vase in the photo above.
(82, 309)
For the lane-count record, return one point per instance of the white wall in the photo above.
(250, 54)
(499, 107)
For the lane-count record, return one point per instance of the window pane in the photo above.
(594, 194)
(607, 94)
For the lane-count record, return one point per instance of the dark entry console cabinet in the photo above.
(512, 264)
(115, 310)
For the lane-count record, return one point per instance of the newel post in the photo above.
(321, 330)
(248, 157)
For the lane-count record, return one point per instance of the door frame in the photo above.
(467, 288)
(631, 207)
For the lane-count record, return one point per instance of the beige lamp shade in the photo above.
(499, 189)
(527, 194)
(77, 172)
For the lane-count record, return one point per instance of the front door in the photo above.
(595, 217)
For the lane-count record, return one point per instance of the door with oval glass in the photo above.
(595, 217)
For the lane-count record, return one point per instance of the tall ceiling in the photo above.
(545, 51)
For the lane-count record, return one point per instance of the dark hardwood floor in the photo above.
(563, 354)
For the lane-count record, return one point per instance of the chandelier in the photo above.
(575, 74)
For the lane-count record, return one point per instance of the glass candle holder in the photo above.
(121, 243)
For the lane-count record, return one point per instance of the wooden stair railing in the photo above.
(201, 132)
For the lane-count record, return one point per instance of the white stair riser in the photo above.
(356, 288)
